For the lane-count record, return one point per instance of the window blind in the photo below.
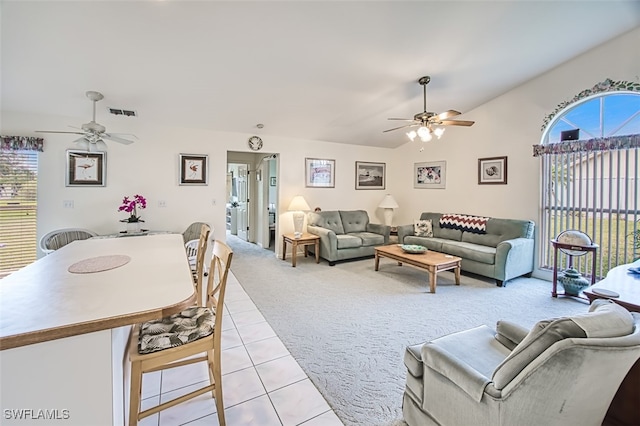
(18, 207)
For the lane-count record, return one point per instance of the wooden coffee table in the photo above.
(432, 261)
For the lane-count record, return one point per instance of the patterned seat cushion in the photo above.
(175, 330)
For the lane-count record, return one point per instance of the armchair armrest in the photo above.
(514, 258)
(328, 241)
(510, 334)
(471, 381)
(404, 230)
(378, 228)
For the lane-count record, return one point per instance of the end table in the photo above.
(304, 241)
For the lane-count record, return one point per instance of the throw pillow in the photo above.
(423, 228)
(466, 223)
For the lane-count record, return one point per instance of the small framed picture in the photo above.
(370, 175)
(320, 173)
(272, 181)
(193, 169)
(86, 168)
(492, 171)
(431, 175)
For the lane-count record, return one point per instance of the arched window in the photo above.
(590, 164)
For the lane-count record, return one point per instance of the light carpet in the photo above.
(348, 326)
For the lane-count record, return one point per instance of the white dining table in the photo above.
(63, 334)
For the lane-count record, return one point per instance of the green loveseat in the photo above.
(346, 234)
(502, 251)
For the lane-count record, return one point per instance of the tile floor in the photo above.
(262, 384)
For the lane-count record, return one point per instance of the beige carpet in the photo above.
(347, 325)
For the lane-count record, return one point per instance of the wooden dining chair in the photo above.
(197, 261)
(168, 342)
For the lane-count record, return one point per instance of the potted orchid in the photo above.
(131, 206)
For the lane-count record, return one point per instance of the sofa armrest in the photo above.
(471, 381)
(510, 334)
(403, 231)
(378, 228)
(328, 241)
(514, 258)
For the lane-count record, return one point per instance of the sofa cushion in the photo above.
(346, 241)
(604, 319)
(354, 220)
(478, 253)
(489, 240)
(369, 238)
(467, 223)
(434, 244)
(330, 220)
(423, 228)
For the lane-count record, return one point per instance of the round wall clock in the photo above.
(255, 143)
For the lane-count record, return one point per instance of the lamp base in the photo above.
(298, 222)
(388, 216)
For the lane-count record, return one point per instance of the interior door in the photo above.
(243, 201)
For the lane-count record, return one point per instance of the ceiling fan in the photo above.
(427, 121)
(92, 132)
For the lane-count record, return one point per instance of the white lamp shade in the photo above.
(299, 204)
(388, 202)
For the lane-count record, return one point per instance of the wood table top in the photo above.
(430, 257)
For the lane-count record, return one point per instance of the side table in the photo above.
(304, 241)
(592, 248)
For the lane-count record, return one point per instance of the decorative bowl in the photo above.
(413, 248)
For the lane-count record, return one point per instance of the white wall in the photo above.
(508, 125)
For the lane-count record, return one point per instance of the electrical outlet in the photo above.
(162, 203)
(67, 204)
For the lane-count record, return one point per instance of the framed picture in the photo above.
(193, 169)
(319, 173)
(430, 175)
(86, 168)
(370, 175)
(492, 171)
(272, 181)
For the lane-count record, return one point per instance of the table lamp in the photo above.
(388, 204)
(297, 206)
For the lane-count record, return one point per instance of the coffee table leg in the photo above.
(433, 274)
(377, 261)
(458, 274)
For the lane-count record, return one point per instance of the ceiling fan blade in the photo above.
(54, 131)
(401, 127)
(401, 119)
(457, 123)
(115, 138)
(444, 115)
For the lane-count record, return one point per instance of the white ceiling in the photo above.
(325, 70)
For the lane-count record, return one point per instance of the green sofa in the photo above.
(346, 234)
(505, 249)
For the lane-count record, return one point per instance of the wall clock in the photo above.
(255, 143)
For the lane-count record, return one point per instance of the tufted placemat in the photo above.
(99, 264)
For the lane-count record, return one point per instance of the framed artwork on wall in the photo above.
(194, 169)
(86, 168)
(432, 175)
(319, 173)
(370, 175)
(492, 171)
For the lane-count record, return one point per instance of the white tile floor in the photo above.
(262, 383)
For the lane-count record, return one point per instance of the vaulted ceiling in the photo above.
(325, 70)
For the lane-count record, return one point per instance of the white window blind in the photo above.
(18, 207)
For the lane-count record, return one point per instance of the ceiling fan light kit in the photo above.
(429, 123)
(92, 132)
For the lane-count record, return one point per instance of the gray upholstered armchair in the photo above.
(564, 371)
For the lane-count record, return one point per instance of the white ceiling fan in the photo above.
(92, 132)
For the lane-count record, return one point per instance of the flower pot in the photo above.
(133, 227)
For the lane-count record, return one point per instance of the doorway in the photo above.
(252, 197)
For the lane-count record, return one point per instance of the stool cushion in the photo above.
(175, 330)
